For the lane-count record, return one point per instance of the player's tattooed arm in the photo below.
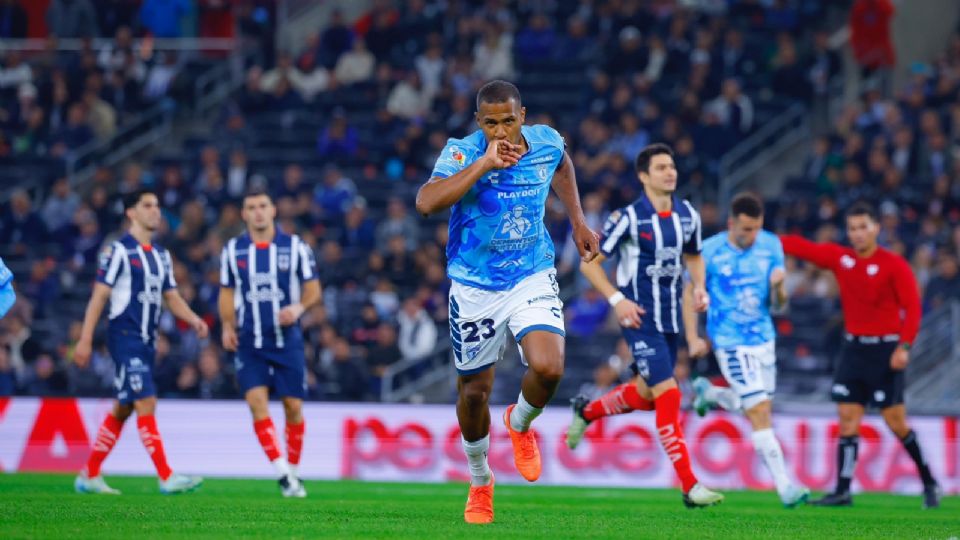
(181, 310)
(565, 185)
(84, 348)
(438, 194)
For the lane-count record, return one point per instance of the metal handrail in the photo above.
(166, 44)
(757, 150)
(438, 371)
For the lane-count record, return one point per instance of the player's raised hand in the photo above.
(502, 154)
(82, 352)
(701, 300)
(899, 359)
(697, 346)
(228, 338)
(290, 314)
(629, 313)
(588, 242)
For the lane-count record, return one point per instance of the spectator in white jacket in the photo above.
(418, 332)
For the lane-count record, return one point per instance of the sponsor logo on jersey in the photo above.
(519, 194)
(283, 262)
(515, 231)
(872, 269)
(669, 270)
(840, 390)
(264, 295)
(847, 261)
(541, 159)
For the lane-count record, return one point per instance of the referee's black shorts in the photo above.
(863, 374)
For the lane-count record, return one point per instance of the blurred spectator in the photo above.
(163, 18)
(944, 286)
(537, 41)
(59, 207)
(492, 56)
(339, 140)
(73, 19)
(346, 376)
(384, 353)
(418, 333)
(355, 65)
(586, 313)
(397, 223)
(409, 99)
(334, 196)
(8, 379)
(213, 384)
(22, 228)
(335, 40)
(13, 20)
(870, 37)
(733, 108)
(358, 233)
(44, 377)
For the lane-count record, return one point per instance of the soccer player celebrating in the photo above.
(267, 280)
(744, 275)
(135, 276)
(881, 315)
(655, 236)
(496, 182)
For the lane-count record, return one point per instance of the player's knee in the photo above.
(759, 415)
(475, 395)
(293, 409)
(122, 411)
(146, 406)
(549, 368)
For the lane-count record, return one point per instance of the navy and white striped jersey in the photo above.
(651, 246)
(138, 274)
(266, 277)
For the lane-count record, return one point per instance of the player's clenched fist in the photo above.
(629, 313)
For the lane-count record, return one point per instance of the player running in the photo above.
(501, 260)
(655, 236)
(267, 280)
(881, 315)
(745, 274)
(136, 276)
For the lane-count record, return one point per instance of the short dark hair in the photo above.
(497, 92)
(133, 198)
(256, 191)
(642, 162)
(862, 208)
(746, 204)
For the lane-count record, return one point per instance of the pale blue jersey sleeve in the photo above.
(456, 156)
(7, 296)
(776, 247)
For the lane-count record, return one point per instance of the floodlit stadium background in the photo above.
(340, 114)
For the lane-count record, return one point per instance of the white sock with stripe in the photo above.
(477, 460)
(523, 414)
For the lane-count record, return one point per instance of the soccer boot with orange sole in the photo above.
(526, 454)
(479, 508)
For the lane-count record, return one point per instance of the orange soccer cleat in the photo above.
(480, 504)
(526, 455)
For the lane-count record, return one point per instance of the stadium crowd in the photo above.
(380, 96)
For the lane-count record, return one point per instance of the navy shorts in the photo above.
(654, 354)
(283, 371)
(133, 366)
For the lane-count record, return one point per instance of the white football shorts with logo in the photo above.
(479, 318)
(751, 372)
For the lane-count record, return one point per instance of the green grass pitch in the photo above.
(45, 506)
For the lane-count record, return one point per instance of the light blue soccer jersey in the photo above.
(738, 282)
(497, 235)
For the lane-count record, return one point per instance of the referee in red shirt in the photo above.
(881, 312)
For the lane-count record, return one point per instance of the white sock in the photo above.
(280, 466)
(477, 459)
(724, 397)
(523, 414)
(293, 470)
(766, 444)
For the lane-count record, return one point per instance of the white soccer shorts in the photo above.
(751, 372)
(479, 318)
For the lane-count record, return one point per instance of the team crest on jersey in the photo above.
(847, 261)
(283, 262)
(542, 172)
(515, 231)
(872, 269)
